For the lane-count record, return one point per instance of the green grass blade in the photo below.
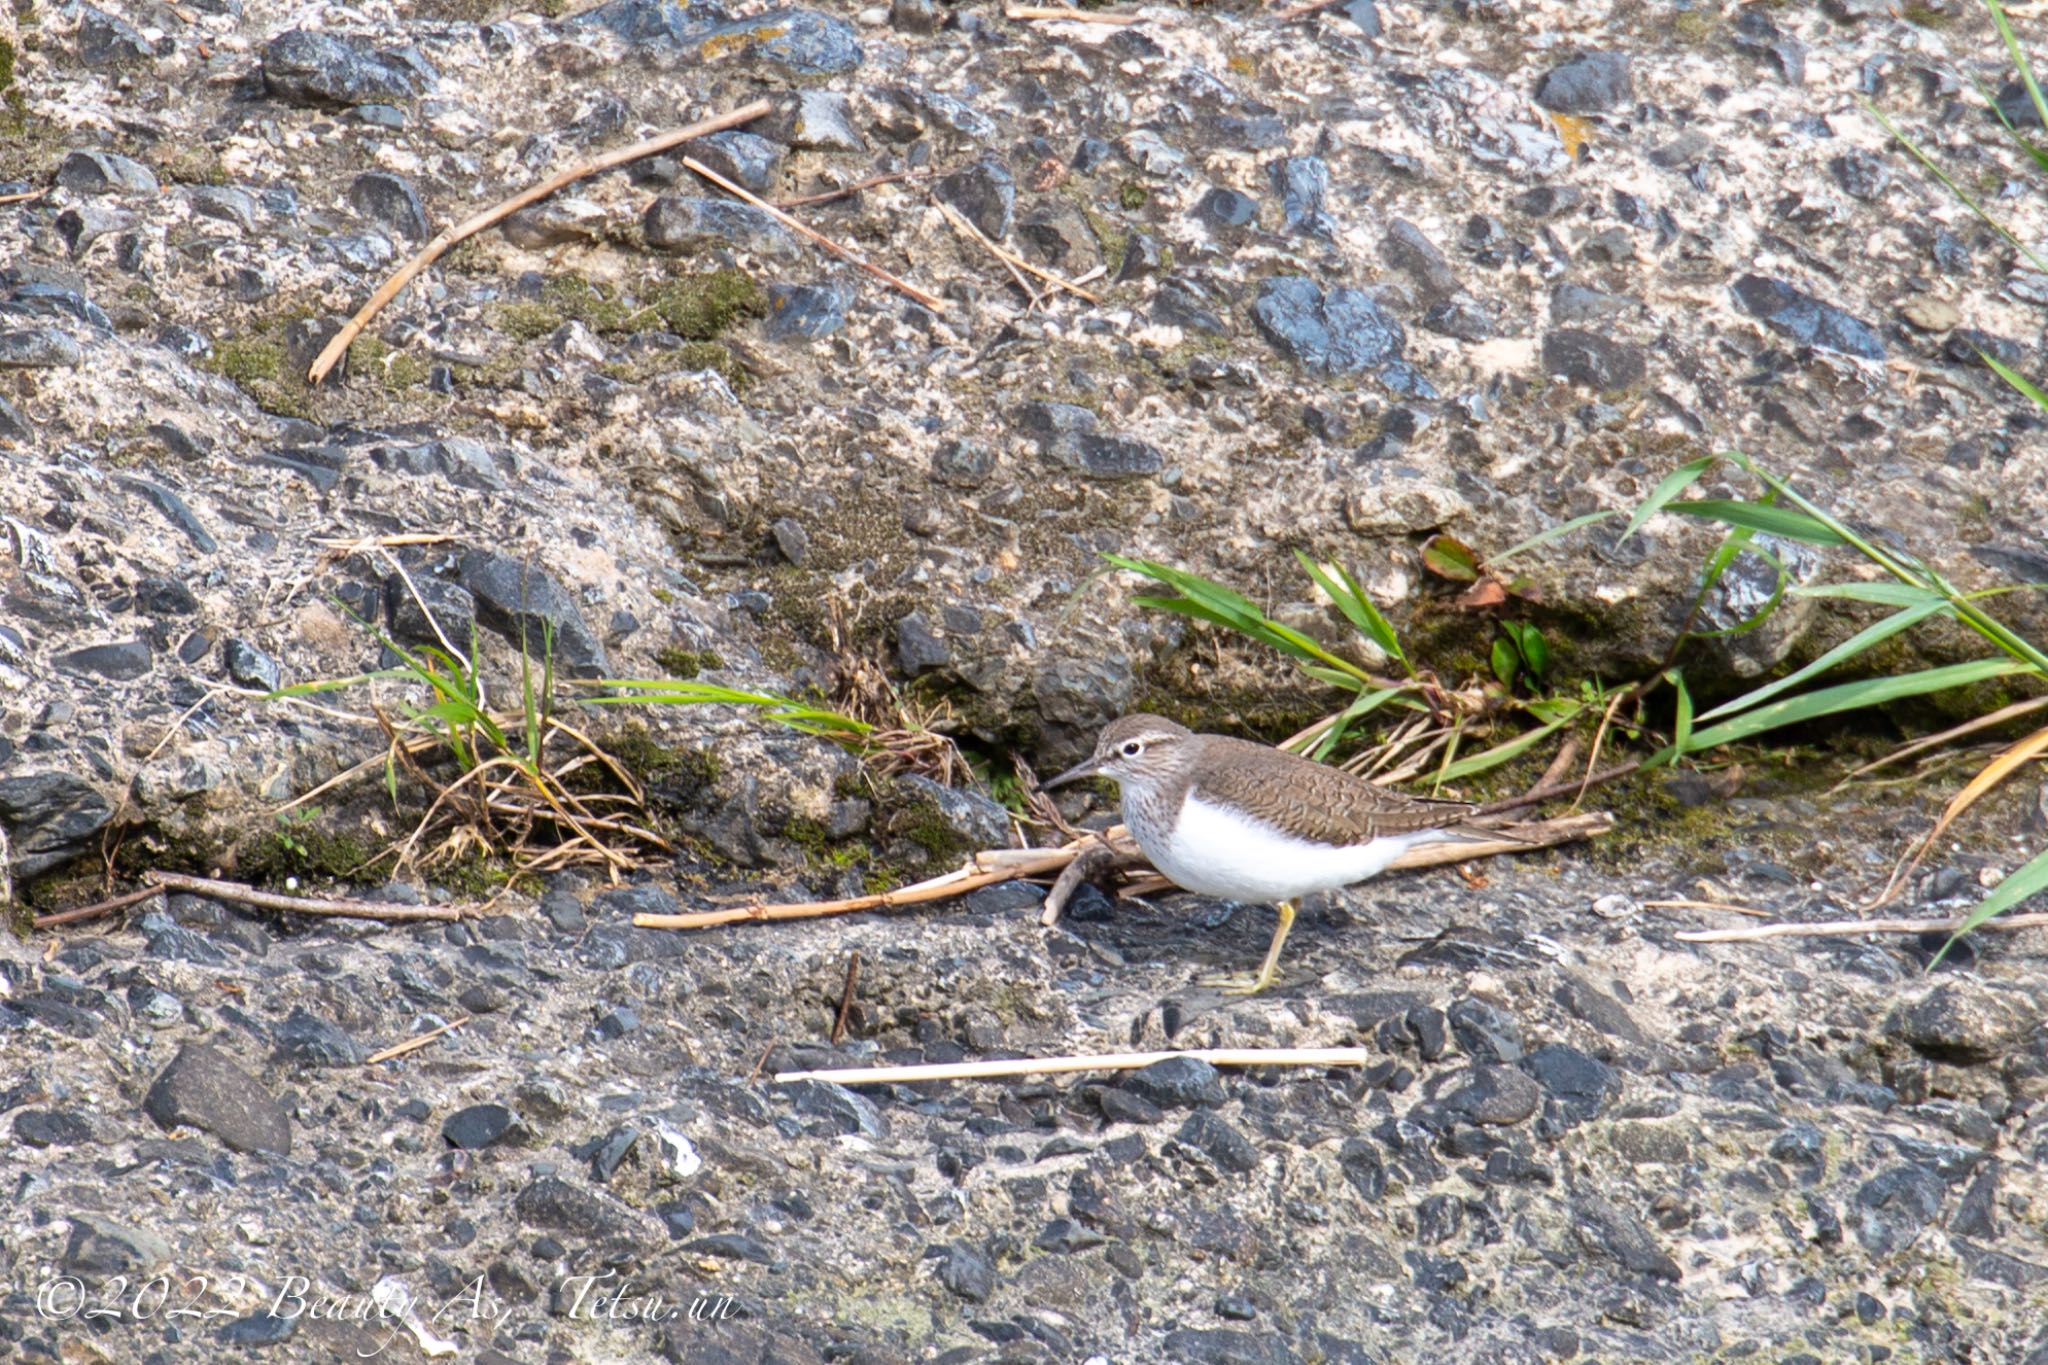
(1856, 644)
(1881, 594)
(1557, 532)
(1357, 609)
(1384, 633)
(2026, 881)
(310, 689)
(1681, 730)
(1784, 522)
(1674, 483)
(1503, 752)
(2019, 58)
(1962, 195)
(1852, 696)
(2018, 381)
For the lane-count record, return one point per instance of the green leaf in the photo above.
(1358, 609)
(1882, 594)
(2017, 886)
(1530, 644)
(1674, 483)
(2019, 58)
(1844, 697)
(1856, 644)
(1450, 558)
(1681, 730)
(1562, 529)
(1783, 522)
(1500, 753)
(2018, 382)
(1507, 661)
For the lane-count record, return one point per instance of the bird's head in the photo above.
(1139, 751)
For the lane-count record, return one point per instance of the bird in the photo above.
(1242, 821)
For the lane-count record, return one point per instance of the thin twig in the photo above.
(414, 1044)
(23, 197)
(300, 905)
(1853, 927)
(955, 883)
(827, 196)
(1072, 16)
(94, 911)
(1010, 258)
(331, 355)
(1987, 721)
(935, 304)
(846, 997)
(1548, 791)
(1110, 1061)
(1707, 905)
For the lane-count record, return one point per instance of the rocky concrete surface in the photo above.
(1362, 276)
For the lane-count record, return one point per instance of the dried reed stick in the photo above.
(331, 354)
(935, 304)
(1850, 928)
(300, 905)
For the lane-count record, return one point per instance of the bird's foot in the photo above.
(1240, 983)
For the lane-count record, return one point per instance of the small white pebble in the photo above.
(1615, 906)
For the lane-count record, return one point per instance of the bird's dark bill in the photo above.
(1074, 774)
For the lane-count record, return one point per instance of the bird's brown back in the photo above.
(1313, 800)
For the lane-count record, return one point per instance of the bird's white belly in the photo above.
(1216, 851)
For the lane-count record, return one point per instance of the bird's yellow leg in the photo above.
(1269, 970)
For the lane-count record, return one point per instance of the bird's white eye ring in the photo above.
(1132, 748)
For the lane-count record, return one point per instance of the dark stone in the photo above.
(1599, 1009)
(920, 649)
(479, 1126)
(805, 312)
(390, 200)
(309, 1040)
(963, 463)
(551, 1204)
(1065, 1236)
(175, 511)
(1492, 1096)
(1802, 318)
(842, 1112)
(746, 159)
(1547, 201)
(643, 23)
(1364, 16)
(1339, 333)
(1587, 85)
(107, 41)
(321, 70)
(1408, 250)
(1976, 1215)
(96, 172)
(415, 604)
(38, 348)
(159, 596)
(1893, 1206)
(50, 818)
(1122, 1106)
(1955, 1023)
(921, 17)
(523, 602)
(1176, 1083)
(1580, 1085)
(681, 224)
(1067, 435)
(1861, 175)
(967, 1273)
(250, 666)
(1574, 303)
(802, 42)
(50, 1128)
(260, 1329)
(1463, 317)
(1227, 210)
(1597, 361)
(1142, 257)
(38, 299)
(122, 662)
(1604, 1229)
(1487, 1033)
(1303, 184)
(1220, 1142)
(985, 193)
(100, 1247)
(204, 1088)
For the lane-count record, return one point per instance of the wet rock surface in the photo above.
(1366, 275)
